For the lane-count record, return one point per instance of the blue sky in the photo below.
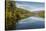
(30, 6)
(32, 0)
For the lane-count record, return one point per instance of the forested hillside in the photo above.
(41, 14)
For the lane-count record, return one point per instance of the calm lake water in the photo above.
(30, 23)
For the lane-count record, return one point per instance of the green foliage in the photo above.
(9, 20)
(41, 14)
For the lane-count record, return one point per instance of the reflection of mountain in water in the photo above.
(30, 23)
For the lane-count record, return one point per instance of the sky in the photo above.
(32, 0)
(30, 6)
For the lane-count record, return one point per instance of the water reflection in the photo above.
(31, 23)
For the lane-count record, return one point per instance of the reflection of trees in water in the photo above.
(18, 17)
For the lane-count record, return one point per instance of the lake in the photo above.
(30, 23)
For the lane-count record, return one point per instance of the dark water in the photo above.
(30, 23)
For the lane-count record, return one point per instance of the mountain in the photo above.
(41, 14)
